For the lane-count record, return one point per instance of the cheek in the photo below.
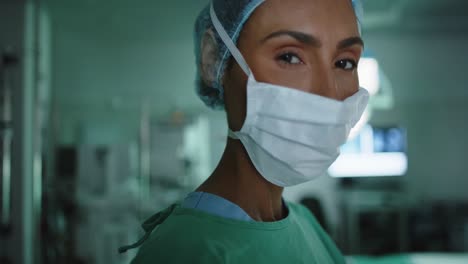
(348, 83)
(296, 80)
(235, 97)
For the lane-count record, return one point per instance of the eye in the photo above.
(289, 58)
(347, 65)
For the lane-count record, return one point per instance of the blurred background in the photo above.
(100, 127)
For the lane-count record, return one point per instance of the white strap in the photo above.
(232, 135)
(228, 41)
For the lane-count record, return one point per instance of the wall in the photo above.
(109, 64)
(429, 78)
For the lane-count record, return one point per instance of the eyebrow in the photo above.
(346, 43)
(299, 36)
(312, 40)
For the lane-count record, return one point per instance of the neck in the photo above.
(236, 179)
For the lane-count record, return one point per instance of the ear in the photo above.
(209, 57)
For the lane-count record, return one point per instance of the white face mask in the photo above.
(292, 136)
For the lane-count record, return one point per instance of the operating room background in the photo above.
(111, 78)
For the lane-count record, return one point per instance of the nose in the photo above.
(324, 83)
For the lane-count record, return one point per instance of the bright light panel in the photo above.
(369, 165)
(368, 71)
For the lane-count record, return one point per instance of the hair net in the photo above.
(232, 14)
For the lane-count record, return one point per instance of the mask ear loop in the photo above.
(232, 48)
(228, 41)
(232, 134)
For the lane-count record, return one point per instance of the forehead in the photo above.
(318, 17)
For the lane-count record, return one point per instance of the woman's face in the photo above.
(309, 45)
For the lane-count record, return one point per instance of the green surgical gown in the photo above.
(184, 235)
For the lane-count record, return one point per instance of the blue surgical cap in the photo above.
(232, 14)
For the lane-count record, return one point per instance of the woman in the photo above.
(291, 94)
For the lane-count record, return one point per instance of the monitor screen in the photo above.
(375, 151)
